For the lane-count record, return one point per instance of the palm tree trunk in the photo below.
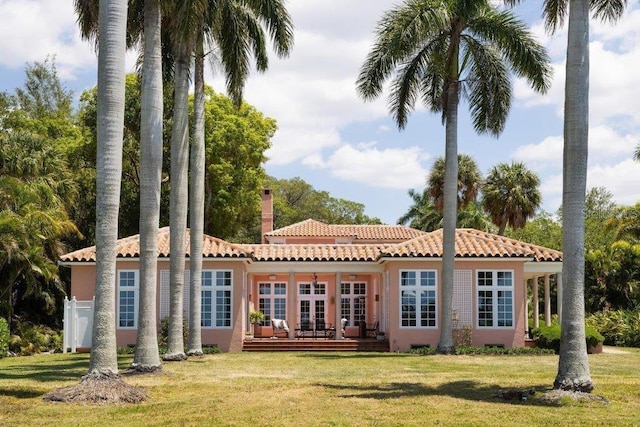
(147, 357)
(110, 122)
(196, 199)
(450, 216)
(178, 205)
(573, 365)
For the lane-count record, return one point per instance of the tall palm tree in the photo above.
(235, 30)
(573, 366)
(143, 21)
(469, 181)
(146, 356)
(437, 52)
(111, 83)
(510, 195)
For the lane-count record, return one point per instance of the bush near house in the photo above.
(549, 337)
(4, 337)
(619, 327)
(33, 339)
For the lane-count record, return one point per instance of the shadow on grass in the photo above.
(20, 393)
(469, 390)
(59, 370)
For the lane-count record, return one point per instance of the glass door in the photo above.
(312, 303)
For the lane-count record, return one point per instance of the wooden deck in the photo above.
(318, 344)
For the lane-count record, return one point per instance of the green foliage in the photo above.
(548, 337)
(486, 351)
(618, 327)
(543, 230)
(33, 339)
(295, 200)
(4, 337)
(256, 316)
(612, 277)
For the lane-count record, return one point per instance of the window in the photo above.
(353, 302)
(418, 299)
(127, 299)
(495, 299)
(216, 298)
(272, 301)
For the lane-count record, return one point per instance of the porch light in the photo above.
(314, 280)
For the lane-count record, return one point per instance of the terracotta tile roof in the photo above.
(129, 247)
(472, 243)
(374, 232)
(319, 252)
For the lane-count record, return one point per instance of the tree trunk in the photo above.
(450, 216)
(573, 365)
(147, 357)
(196, 211)
(110, 122)
(178, 206)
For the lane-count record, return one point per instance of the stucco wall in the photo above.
(402, 339)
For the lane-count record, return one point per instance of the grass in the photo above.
(320, 389)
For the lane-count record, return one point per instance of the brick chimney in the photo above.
(267, 212)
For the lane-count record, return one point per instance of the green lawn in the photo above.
(294, 389)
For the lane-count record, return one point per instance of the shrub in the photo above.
(549, 337)
(33, 339)
(163, 333)
(619, 327)
(4, 337)
(479, 351)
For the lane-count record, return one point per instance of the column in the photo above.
(292, 298)
(337, 308)
(547, 301)
(526, 307)
(536, 308)
(559, 282)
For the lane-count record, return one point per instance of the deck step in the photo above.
(315, 345)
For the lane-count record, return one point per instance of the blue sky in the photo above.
(352, 149)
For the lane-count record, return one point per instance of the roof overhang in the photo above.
(543, 267)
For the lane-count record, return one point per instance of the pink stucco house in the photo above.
(384, 277)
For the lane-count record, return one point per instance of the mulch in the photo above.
(98, 389)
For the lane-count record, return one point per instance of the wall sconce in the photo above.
(272, 277)
(314, 279)
(377, 297)
(333, 300)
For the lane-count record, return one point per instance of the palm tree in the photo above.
(439, 51)
(510, 195)
(422, 214)
(147, 358)
(469, 180)
(226, 25)
(111, 80)
(573, 366)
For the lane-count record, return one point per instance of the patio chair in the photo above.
(372, 332)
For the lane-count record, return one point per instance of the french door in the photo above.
(312, 303)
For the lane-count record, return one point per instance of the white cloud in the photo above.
(386, 168)
(621, 179)
(49, 29)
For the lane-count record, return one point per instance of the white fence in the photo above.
(78, 324)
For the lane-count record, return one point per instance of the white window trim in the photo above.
(417, 287)
(494, 300)
(213, 288)
(136, 297)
